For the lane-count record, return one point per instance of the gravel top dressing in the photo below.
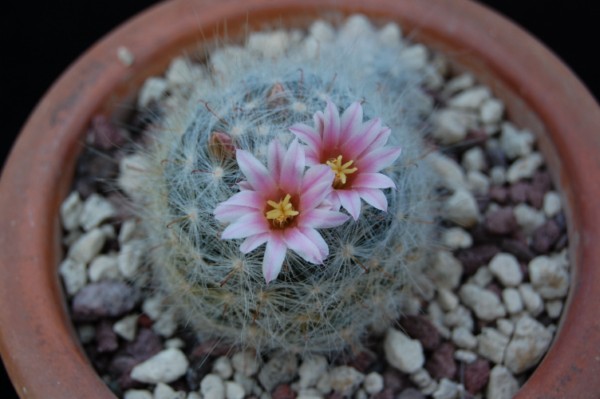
(476, 320)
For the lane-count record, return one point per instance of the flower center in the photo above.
(341, 170)
(283, 212)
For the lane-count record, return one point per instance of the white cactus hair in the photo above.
(253, 95)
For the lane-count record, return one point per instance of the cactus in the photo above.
(242, 100)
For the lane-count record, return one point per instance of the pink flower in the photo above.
(281, 205)
(355, 151)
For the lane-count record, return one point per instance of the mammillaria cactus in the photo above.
(284, 195)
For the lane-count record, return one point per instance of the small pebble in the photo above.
(501, 221)
(103, 267)
(529, 343)
(245, 362)
(506, 269)
(402, 352)
(491, 111)
(421, 328)
(212, 387)
(446, 389)
(345, 380)
(163, 391)
(103, 299)
(373, 383)
(461, 208)
(74, 275)
(166, 366)
(96, 210)
(233, 390)
(554, 308)
(471, 98)
(451, 126)
(70, 211)
(280, 369)
(463, 338)
(138, 394)
(484, 303)
(502, 384)
(311, 369)
(548, 277)
(465, 356)
(492, 344)
(456, 237)
(552, 204)
(524, 168)
(126, 328)
(512, 300)
(531, 299)
(87, 246)
(440, 364)
(477, 374)
(545, 236)
(515, 143)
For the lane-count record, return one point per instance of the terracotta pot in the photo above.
(37, 341)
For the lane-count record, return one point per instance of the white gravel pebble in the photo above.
(502, 384)
(130, 258)
(311, 369)
(463, 338)
(164, 391)
(459, 83)
(127, 231)
(138, 394)
(96, 210)
(74, 275)
(447, 299)
(450, 173)
(153, 306)
(498, 175)
(491, 111)
(552, 204)
(524, 168)
(451, 126)
(181, 72)
(131, 168)
(212, 387)
(554, 308)
(166, 324)
(166, 366)
(310, 393)
(512, 300)
(459, 317)
(233, 390)
(482, 277)
(414, 57)
(154, 89)
(505, 326)
(491, 344)
(515, 143)
(477, 182)
(446, 270)
(70, 211)
(505, 267)
(548, 277)
(471, 98)
(193, 395)
(423, 380)
(461, 208)
(281, 368)
(529, 343)
(176, 343)
(245, 362)
(86, 333)
(87, 246)
(222, 367)
(104, 267)
(446, 389)
(345, 380)
(373, 383)
(465, 356)
(456, 237)
(126, 328)
(532, 300)
(528, 218)
(484, 303)
(403, 353)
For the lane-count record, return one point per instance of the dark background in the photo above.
(39, 40)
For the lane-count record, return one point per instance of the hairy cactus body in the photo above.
(243, 98)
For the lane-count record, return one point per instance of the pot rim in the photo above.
(38, 332)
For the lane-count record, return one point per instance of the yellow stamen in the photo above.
(282, 211)
(341, 170)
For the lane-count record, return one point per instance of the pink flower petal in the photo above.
(363, 139)
(351, 119)
(302, 245)
(372, 180)
(230, 213)
(307, 134)
(292, 168)
(373, 197)
(316, 186)
(275, 154)
(274, 256)
(253, 242)
(246, 226)
(378, 159)
(350, 201)
(257, 174)
(317, 239)
(331, 128)
(322, 218)
(382, 138)
(249, 198)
